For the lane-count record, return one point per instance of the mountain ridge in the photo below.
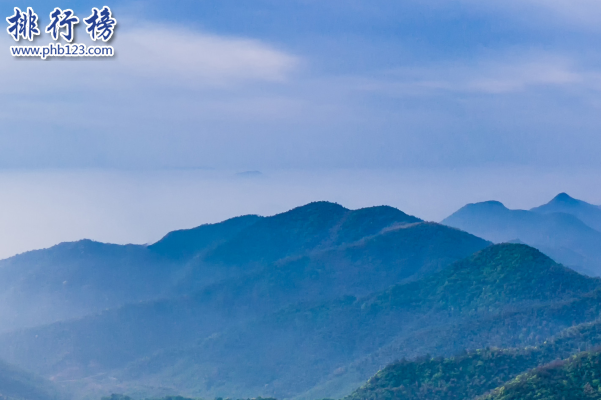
(77, 278)
(320, 276)
(561, 235)
(588, 213)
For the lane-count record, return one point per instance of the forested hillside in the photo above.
(576, 378)
(505, 295)
(306, 304)
(75, 279)
(472, 373)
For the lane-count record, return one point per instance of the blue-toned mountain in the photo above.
(118, 336)
(588, 213)
(74, 279)
(504, 295)
(561, 235)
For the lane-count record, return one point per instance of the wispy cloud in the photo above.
(234, 101)
(581, 14)
(175, 54)
(161, 53)
(495, 74)
(164, 88)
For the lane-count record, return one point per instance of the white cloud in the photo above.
(161, 54)
(168, 53)
(503, 77)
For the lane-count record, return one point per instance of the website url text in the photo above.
(60, 50)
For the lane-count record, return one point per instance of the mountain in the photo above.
(505, 295)
(562, 236)
(74, 279)
(314, 226)
(576, 378)
(113, 338)
(301, 231)
(186, 243)
(472, 373)
(307, 304)
(71, 280)
(563, 203)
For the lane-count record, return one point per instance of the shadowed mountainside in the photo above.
(115, 337)
(505, 295)
(74, 279)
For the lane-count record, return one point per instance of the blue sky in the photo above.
(422, 105)
(314, 84)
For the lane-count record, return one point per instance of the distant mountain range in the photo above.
(322, 252)
(563, 203)
(75, 279)
(311, 303)
(564, 228)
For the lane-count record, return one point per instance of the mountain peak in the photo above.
(492, 203)
(565, 199)
(516, 271)
(510, 255)
(317, 207)
(564, 203)
(486, 205)
(472, 211)
(492, 278)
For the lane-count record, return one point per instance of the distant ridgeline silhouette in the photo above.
(566, 229)
(313, 302)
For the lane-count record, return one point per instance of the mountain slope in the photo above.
(74, 279)
(313, 226)
(499, 275)
(298, 304)
(187, 243)
(473, 373)
(505, 295)
(114, 337)
(562, 236)
(576, 379)
(299, 232)
(563, 203)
